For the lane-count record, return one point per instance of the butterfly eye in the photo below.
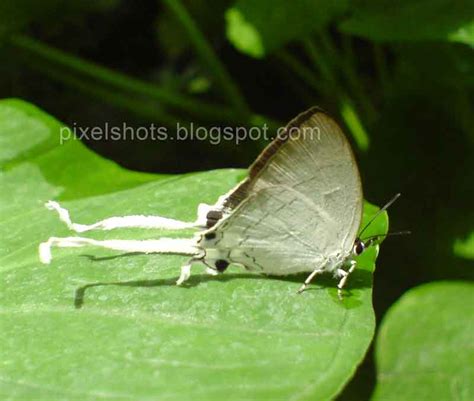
(359, 247)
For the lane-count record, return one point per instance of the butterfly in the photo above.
(299, 210)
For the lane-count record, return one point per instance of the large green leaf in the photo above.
(259, 27)
(424, 348)
(410, 20)
(96, 325)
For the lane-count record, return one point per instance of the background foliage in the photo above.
(399, 76)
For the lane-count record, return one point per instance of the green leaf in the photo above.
(243, 34)
(464, 248)
(28, 134)
(464, 34)
(410, 20)
(424, 348)
(257, 28)
(98, 324)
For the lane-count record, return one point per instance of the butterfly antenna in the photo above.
(373, 238)
(385, 207)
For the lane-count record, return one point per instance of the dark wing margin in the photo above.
(242, 190)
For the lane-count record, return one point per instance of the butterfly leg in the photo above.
(344, 275)
(309, 279)
(186, 270)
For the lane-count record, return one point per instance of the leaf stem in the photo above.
(142, 108)
(300, 69)
(346, 107)
(205, 51)
(123, 82)
(348, 69)
(318, 59)
(353, 122)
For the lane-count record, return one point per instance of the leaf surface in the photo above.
(424, 347)
(96, 324)
(406, 20)
(257, 28)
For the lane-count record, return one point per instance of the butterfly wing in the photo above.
(300, 206)
(229, 201)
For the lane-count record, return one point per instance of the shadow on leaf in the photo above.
(359, 279)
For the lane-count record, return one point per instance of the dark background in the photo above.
(413, 94)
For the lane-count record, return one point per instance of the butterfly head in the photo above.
(359, 247)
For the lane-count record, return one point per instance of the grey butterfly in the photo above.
(299, 210)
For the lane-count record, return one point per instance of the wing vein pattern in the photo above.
(301, 205)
